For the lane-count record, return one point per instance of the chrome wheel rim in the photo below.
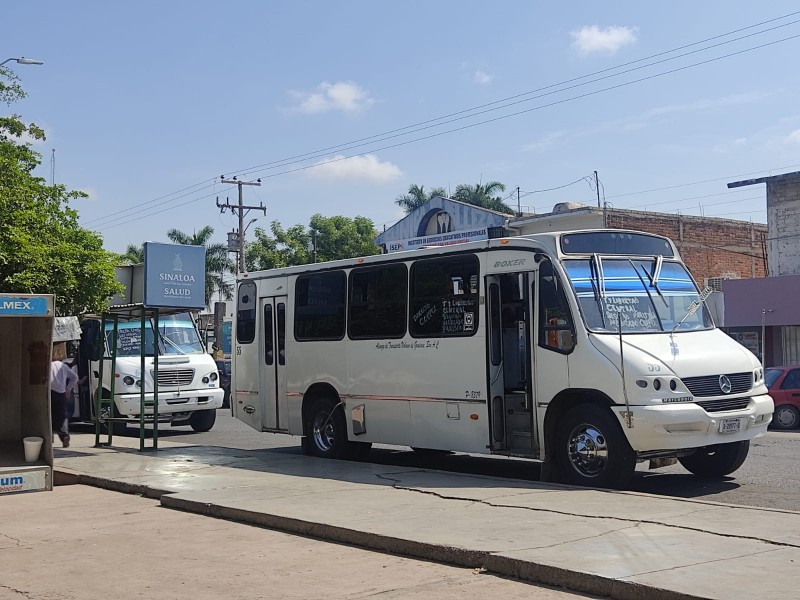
(587, 450)
(324, 434)
(786, 418)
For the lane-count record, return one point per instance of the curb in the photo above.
(493, 563)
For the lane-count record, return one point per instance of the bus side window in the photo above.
(246, 313)
(556, 330)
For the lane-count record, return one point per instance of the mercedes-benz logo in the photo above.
(725, 384)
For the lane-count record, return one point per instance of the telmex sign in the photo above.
(174, 275)
(440, 239)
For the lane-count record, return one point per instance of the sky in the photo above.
(339, 106)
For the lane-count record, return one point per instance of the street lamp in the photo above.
(764, 312)
(23, 61)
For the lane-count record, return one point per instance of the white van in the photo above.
(189, 389)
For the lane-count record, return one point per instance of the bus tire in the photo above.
(716, 461)
(325, 430)
(591, 448)
(203, 420)
(359, 450)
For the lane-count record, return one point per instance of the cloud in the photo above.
(544, 142)
(590, 39)
(346, 96)
(357, 168)
(794, 137)
(482, 78)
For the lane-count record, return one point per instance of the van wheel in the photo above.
(203, 420)
(716, 461)
(591, 449)
(118, 428)
(325, 430)
(786, 417)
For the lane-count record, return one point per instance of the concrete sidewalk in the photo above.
(616, 544)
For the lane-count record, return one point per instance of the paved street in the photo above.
(769, 478)
(92, 544)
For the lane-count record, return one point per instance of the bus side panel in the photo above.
(309, 363)
(419, 392)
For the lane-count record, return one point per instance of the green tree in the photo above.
(217, 261)
(43, 250)
(326, 238)
(483, 195)
(133, 254)
(417, 196)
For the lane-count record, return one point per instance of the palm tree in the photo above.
(416, 197)
(483, 195)
(133, 254)
(217, 261)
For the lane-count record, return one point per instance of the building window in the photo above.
(319, 306)
(444, 297)
(378, 302)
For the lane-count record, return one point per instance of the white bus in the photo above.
(189, 389)
(589, 351)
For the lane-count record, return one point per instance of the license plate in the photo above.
(729, 425)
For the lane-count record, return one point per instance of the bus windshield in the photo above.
(635, 295)
(176, 335)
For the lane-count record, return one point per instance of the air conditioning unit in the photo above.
(715, 283)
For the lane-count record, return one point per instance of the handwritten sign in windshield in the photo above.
(633, 313)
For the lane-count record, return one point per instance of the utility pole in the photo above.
(597, 188)
(239, 211)
(519, 208)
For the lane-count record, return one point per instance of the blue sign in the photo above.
(174, 276)
(23, 305)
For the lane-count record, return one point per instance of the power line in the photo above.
(386, 135)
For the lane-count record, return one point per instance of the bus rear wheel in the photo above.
(592, 450)
(716, 461)
(325, 430)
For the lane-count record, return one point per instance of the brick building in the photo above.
(713, 249)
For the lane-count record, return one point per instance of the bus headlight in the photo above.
(213, 376)
(128, 380)
(758, 376)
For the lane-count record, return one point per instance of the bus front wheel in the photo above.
(325, 430)
(716, 461)
(592, 450)
(203, 420)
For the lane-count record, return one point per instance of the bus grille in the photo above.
(175, 377)
(726, 404)
(708, 385)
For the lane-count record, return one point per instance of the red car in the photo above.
(784, 387)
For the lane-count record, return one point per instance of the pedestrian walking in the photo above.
(62, 380)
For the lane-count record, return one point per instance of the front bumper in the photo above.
(681, 426)
(170, 402)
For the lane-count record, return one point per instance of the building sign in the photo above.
(174, 275)
(23, 306)
(441, 239)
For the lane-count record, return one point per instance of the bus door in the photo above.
(509, 309)
(272, 374)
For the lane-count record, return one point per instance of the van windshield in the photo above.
(176, 335)
(635, 295)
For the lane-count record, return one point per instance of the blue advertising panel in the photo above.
(23, 306)
(174, 275)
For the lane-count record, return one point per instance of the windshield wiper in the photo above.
(599, 289)
(165, 339)
(649, 295)
(655, 277)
